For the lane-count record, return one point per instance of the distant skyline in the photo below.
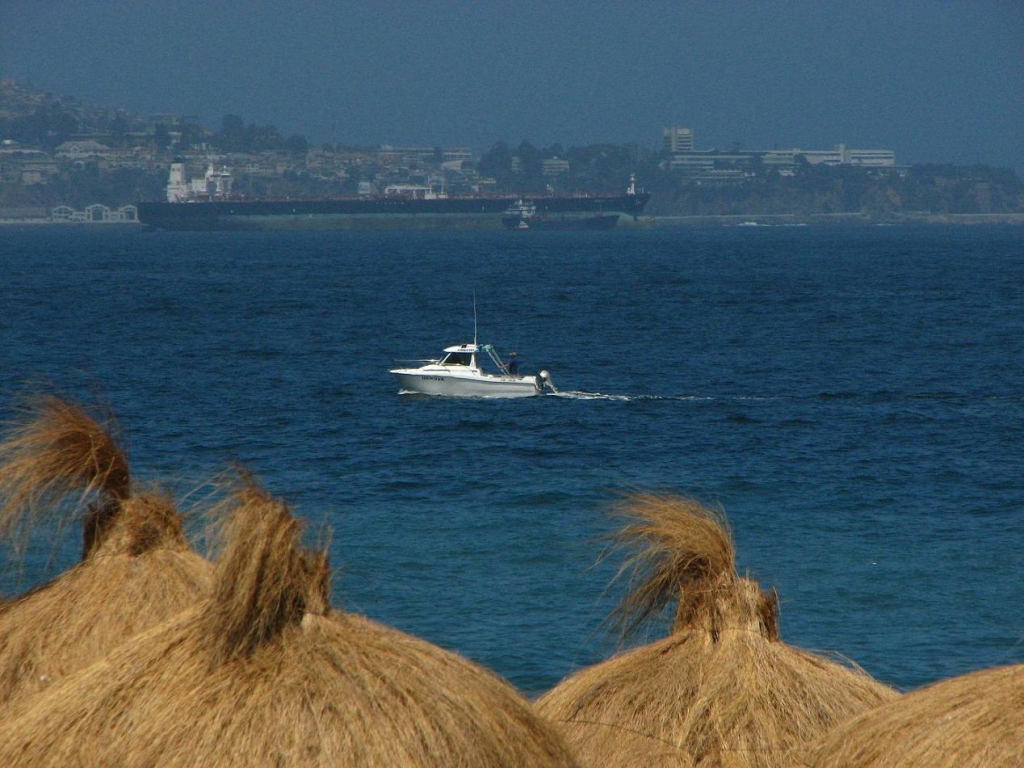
(934, 81)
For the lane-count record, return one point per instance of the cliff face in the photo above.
(823, 191)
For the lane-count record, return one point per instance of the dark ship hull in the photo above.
(385, 212)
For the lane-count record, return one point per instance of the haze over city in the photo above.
(938, 82)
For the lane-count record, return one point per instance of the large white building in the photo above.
(676, 140)
(555, 166)
(389, 155)
(841, 155)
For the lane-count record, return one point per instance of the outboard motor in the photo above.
(544, 379)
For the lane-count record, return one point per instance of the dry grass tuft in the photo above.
(52, 450)
(971, 721)
(142, 524)
(262, 675)
(138, 568)
(683, 552)
(265, 579)
(721, 690)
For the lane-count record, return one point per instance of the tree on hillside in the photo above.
(191, 135)
(607, 167)
(119, 130)
(161, 136)
(236, 136)
(48, 126)
(531, 167)
(297, 145)
(232, 136)
(260, 138)
(497, 164)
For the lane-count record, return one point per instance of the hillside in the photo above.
(58, 150)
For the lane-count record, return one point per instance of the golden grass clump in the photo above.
(971, 721)
(55, 448)
(138, 568)
(264, 673)
(722, 689)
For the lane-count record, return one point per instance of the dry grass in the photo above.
(138, 567)
(265, 578)
(140, 578)
(265, 674)
(683, 551)
(722, 689)
(971, 721)
(54, 449)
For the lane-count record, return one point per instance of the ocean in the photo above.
(852, 398)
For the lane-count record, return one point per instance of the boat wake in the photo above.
(577, 395)
(571, 395)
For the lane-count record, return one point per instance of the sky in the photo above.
(938, 82)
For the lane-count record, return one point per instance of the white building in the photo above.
(843, 155)
(95, 214)
(82, 150)
(676, 140)
(554, 166)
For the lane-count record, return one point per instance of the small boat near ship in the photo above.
(523, 214)
(458, 373)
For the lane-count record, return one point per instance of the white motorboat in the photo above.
(458, 373)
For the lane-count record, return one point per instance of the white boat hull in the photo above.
(444, 381)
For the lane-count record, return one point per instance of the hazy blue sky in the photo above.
(935, 81)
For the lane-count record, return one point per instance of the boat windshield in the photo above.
(458, 358)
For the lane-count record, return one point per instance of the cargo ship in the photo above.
(209, 204)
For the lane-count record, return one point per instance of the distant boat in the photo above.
(523, 215)
(458, 373)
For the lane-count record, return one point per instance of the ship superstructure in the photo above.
(213, 185)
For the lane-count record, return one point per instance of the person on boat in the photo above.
(512, 366)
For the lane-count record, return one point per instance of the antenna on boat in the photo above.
(474, 318)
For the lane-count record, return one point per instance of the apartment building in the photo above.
(677, 140)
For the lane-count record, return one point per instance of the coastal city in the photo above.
(561, 385)
(65, 161)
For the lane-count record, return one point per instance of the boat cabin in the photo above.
(464, 355)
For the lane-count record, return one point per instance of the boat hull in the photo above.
(455, 213)
(449, 384)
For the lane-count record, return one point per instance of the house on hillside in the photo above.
(82, 150)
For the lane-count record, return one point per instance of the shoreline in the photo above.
(725, 220)
(828, 219)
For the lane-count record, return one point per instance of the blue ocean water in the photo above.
(852, 398)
